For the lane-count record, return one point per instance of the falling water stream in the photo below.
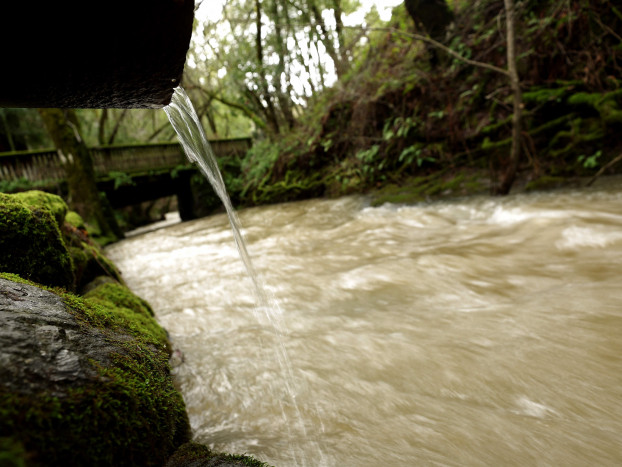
(473, 332)
(192, 137)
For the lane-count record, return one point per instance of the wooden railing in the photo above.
(38, 166)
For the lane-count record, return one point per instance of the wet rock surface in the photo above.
(85, 380)
(42, 345)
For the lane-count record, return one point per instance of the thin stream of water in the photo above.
(192, 137)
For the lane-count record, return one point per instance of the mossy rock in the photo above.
(32, 245)
(88, 259)
(74, 219)
(120, 296)
(89, 382)
(39, 199)
(97, 265)
(80, 261)
(607, 104)
(198, 455)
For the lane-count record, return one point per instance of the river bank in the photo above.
(85, 376)
(405, 113)
(445, 185)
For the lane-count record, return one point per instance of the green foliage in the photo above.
(543, 95)
(414, 154)
(135, 125)
(369, 162)
(23, 184)
(121, 179)
(590, 162)
(258, 164)
(178, 169)
(399, 127)
(21, 129)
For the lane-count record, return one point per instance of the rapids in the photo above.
(472, 332)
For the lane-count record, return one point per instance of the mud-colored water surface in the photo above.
(475, 332)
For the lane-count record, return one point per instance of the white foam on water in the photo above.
(575, 237)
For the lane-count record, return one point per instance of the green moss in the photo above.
(586, 98)
(582, 132)
(105, 314)
(39, 199)
(74, 219)
(32, 245)
(191, 453)
(88, 260)
(121, 296)
(98, 264)
(130, 415)
(80, 261)
(607, 104)
(542, 95)
(17, 278)
(488, 145)
(495, 126)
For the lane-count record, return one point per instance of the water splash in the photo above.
(192, 137)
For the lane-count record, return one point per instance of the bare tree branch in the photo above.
(603, 169)
(117, 125)
(429, 40)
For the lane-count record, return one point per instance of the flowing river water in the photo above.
(472, 332)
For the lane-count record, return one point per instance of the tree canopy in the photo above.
(340, 101)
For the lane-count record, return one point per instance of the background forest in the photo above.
(340, 101)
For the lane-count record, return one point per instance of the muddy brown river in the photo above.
(472, 332)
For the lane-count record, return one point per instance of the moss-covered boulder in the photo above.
(75, 220)
(31, 242)
(197, 455)
(109, 293)
(113, 293)
(39, 199)
(88, 260)
(84, 381)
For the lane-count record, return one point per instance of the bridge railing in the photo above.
(35, 166)
(46, 165)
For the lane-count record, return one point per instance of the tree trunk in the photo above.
(101, 132)
(282, 79)
(337, 10)
(269, 109)
(7, 130)
(510, 174)
(117, 125)
(327, 40)
(63, 128)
